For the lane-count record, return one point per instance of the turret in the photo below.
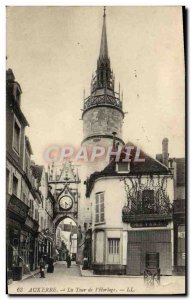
(102, 111)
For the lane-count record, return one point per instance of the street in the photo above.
(69, 281)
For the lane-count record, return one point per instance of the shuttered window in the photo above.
(99, 208)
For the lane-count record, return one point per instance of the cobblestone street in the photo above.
(69, 281)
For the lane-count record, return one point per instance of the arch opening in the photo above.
(66, 236)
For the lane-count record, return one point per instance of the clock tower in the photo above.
(103, 109)
(64, 181)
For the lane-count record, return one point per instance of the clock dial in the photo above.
(66, 202)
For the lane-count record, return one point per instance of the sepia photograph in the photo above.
(95, 150)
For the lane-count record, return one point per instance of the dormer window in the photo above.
(123, 167)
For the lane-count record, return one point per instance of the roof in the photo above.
(149, 167)
(37, 172)
(12, 103)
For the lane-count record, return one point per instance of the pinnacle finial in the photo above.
(103, 46)
(104, 10)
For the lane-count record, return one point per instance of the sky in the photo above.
(53, 52)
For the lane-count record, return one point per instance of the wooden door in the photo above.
(134, 259)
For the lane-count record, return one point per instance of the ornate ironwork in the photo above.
(161, 208)
(102, 100)
(152, 276)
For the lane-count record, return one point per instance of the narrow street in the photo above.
(69, 281)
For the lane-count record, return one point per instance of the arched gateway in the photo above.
(64, 183)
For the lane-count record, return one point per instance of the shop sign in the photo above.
(18, 207)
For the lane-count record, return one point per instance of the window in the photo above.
(41, 221)
(27, 163)
(16, 136)
(24, 198)
(99, 207)
(7, 180)
(31, 212)
(123, 167)
(113, 246)
(15, 185)
(148, 201)
(36, 214)
(113, 250)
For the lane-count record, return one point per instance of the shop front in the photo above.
(29, 245)
(147, 248)
(16, 216)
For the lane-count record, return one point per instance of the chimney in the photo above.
(165, 154)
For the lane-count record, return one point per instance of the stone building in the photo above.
(28, 237)
(63, 181)
(46, 210)
(177, 167)
(21, 199)
(27, 193)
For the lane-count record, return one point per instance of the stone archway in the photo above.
(58, 219)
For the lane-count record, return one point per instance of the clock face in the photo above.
(66, 202)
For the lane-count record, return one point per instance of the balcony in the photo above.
(100, 100)
(18, 208)
(153, 216)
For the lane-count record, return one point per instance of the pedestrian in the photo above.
(50, 268)
(68, 260)
(42, 268)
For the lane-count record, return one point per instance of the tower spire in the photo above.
(104, 76)
(103, 47)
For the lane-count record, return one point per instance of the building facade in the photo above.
(46, 209)
(132, 217)
(177, 167)
(27, 194)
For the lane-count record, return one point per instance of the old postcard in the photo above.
(95, 186)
